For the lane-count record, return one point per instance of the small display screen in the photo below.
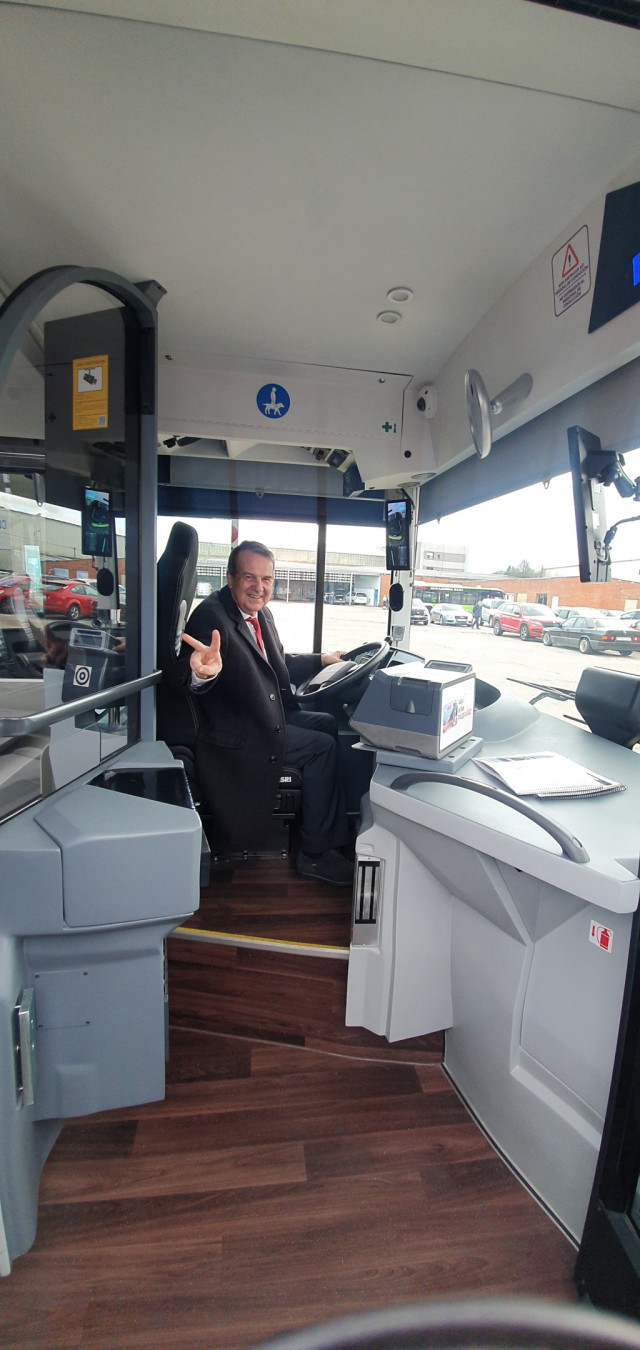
(89, 637)
(97, 524)
(589, 506)
(397, 521)
(457, 712)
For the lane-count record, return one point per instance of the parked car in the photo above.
(572, 611)
(525, 620)
(76, 599)
(359, 598)
(13, 588)
(593, 633)
(419, 611)
(630, 615)
(489, 607)
(456, 615)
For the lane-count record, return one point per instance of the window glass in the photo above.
(356, 582)
(68, 506)
(524, 545)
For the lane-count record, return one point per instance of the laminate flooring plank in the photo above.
(155, 1173)
(53, 1323)
(395, 1151)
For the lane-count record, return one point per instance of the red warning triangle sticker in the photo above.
(571, 261)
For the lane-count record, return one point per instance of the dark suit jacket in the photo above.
(240, 745)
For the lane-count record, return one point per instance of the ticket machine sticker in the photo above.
(90, 393)
(602, 936)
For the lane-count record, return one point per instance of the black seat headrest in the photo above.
(177, 577)
(609, 702)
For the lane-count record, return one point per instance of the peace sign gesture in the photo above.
(205, 662)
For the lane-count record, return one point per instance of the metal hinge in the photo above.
(366, 900)
(24, 1015)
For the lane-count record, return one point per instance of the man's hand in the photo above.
(205, 662)
(330, 658)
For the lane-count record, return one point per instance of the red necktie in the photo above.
(251, 618)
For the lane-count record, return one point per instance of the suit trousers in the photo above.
(311, 746)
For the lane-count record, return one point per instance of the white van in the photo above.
(489, 607)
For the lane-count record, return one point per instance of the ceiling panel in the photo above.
(277, 192)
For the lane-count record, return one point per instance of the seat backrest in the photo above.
(176, 713)
(177, 576)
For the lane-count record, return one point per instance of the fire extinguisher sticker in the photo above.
(603, 937)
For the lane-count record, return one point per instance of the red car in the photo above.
(525, 620)
(76, 599)
(12, 588)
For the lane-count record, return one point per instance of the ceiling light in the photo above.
(400, 295)
(389, 316)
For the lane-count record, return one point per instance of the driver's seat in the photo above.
(177, 714)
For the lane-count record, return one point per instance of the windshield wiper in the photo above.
(547, 691)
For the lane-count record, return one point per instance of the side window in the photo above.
(72, 515)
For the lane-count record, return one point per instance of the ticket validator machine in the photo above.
(503, 920)
(100, 845)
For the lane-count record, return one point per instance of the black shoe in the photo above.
(330, 867)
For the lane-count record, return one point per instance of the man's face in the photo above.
(252, 584)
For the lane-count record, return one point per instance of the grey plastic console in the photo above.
(506, 923)
(93, 879)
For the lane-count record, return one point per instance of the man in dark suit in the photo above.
(252, 724)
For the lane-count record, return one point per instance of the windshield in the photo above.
(524, 545)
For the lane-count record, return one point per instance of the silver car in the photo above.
(455, 615)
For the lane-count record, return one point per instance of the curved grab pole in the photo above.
(25, 302)
(571, 847)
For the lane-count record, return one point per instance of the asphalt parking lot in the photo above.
(507, 662)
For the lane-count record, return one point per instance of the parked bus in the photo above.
(458, 595)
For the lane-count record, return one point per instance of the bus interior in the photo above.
(324, 276)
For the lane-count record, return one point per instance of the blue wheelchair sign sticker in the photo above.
(273, 400)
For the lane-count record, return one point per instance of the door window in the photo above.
(68, 510)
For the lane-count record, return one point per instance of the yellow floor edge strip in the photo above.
(242, 939)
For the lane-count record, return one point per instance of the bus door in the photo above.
(99, 841)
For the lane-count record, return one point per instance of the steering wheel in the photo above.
(345, 675)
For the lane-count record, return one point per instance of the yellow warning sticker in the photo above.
(90, 393)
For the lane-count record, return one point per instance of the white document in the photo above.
(547, 775)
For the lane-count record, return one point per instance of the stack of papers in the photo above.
(547, 775)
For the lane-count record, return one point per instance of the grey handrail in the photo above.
(570, 845)
(116, 693)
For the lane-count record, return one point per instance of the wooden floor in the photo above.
(289, 1176)
(254, 991)
(267, 899)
